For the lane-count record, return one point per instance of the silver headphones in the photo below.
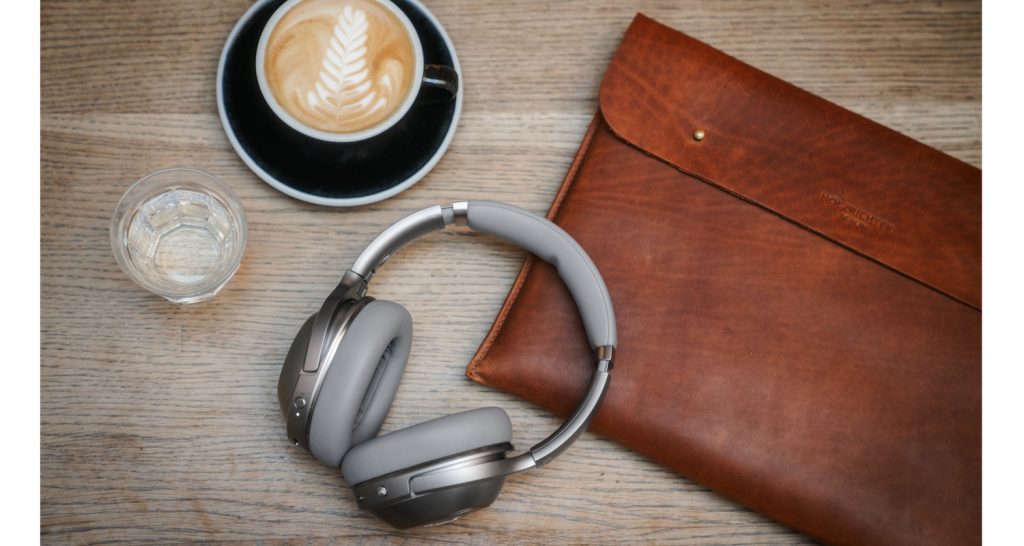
(343, 369)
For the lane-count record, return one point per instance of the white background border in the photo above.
(1003, 133)
(1003, 274)
(19, 55)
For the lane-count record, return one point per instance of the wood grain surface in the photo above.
(160, 422)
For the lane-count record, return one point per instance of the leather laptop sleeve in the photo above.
(798, 296)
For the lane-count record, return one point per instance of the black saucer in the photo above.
(327, 173)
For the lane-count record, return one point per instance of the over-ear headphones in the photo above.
(343, 369)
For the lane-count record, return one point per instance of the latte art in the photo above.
(344, 84)
(340, 66)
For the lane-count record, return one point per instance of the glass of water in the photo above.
(179, 233)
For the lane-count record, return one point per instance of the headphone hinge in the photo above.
(352, 286)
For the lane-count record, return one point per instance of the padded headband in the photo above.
(533, 233)
(519, 227)
(550, 243)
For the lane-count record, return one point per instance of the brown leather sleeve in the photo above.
(799, 323)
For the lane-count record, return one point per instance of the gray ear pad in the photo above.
(361, 382)
(553, 245)
(426, 442)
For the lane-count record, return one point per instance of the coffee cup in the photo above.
(344, 70)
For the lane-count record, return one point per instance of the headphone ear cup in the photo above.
(426, 442)
(361, 382)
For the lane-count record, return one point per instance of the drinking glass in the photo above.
(179, 233)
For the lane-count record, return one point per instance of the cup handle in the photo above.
(441, 76)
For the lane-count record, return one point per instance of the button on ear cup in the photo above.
(361, 382)
(426, 442)
(293, 365)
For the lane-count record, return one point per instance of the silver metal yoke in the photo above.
(395, 237)
(406, 230)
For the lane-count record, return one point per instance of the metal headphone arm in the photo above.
(354, 282)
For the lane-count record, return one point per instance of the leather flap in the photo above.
(864, 186)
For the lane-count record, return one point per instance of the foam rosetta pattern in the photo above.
(340, 66)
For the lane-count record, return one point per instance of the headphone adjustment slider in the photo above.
(457, 213)
(605, 355)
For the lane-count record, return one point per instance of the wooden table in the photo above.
(160, 422)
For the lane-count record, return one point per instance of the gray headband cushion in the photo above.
(362, 380)
(553, 245)
(429, 441)
(519, 227)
